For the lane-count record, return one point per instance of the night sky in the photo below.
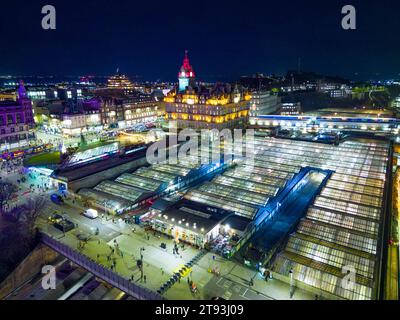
(225, 39)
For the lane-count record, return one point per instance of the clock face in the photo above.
(183, 83)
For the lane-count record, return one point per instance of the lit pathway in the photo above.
(159, 265)
(232, 284)
(392, 287)
(392, 274)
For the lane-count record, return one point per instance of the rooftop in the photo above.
(192, 216)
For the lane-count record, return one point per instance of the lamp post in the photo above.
(141, 262)
(278, 205)
(105, 207)
(291, 283)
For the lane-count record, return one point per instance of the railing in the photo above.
(99, 271)
(264, 215)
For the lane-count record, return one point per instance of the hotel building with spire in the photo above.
(199, 107)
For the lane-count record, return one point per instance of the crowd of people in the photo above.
(11, 165)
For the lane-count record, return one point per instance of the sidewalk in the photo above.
(24, 191)
(158, 264)
(233, 283)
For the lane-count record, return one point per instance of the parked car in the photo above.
(91, 213)
(56, 198)
(64, 225)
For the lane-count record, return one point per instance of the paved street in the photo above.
(393, 262)
(34, 185)
(160, 264)
(232, 284)
(56, 139)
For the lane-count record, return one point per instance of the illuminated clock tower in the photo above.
(186, 74)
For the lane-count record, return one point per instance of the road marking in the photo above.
(227, 284)
(220, 279)
(237, 288)
(227, 295)
(245, 298)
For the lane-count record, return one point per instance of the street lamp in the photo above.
(291, 283)
(141, 262)
(105, 207)
(141, 255)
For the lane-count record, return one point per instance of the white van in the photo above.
(91, 213)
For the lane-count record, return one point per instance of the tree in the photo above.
(11, 250)
(18, 234)
(83, 142)
(29, 215)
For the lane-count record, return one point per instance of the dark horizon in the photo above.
(103, 78)
(225, 40)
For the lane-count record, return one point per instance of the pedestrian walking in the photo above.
(144, 278)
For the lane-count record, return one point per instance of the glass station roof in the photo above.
(341, 228)
(120, 190)
(138, 181)
(103, 199)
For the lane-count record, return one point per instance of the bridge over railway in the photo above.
(100, 271)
